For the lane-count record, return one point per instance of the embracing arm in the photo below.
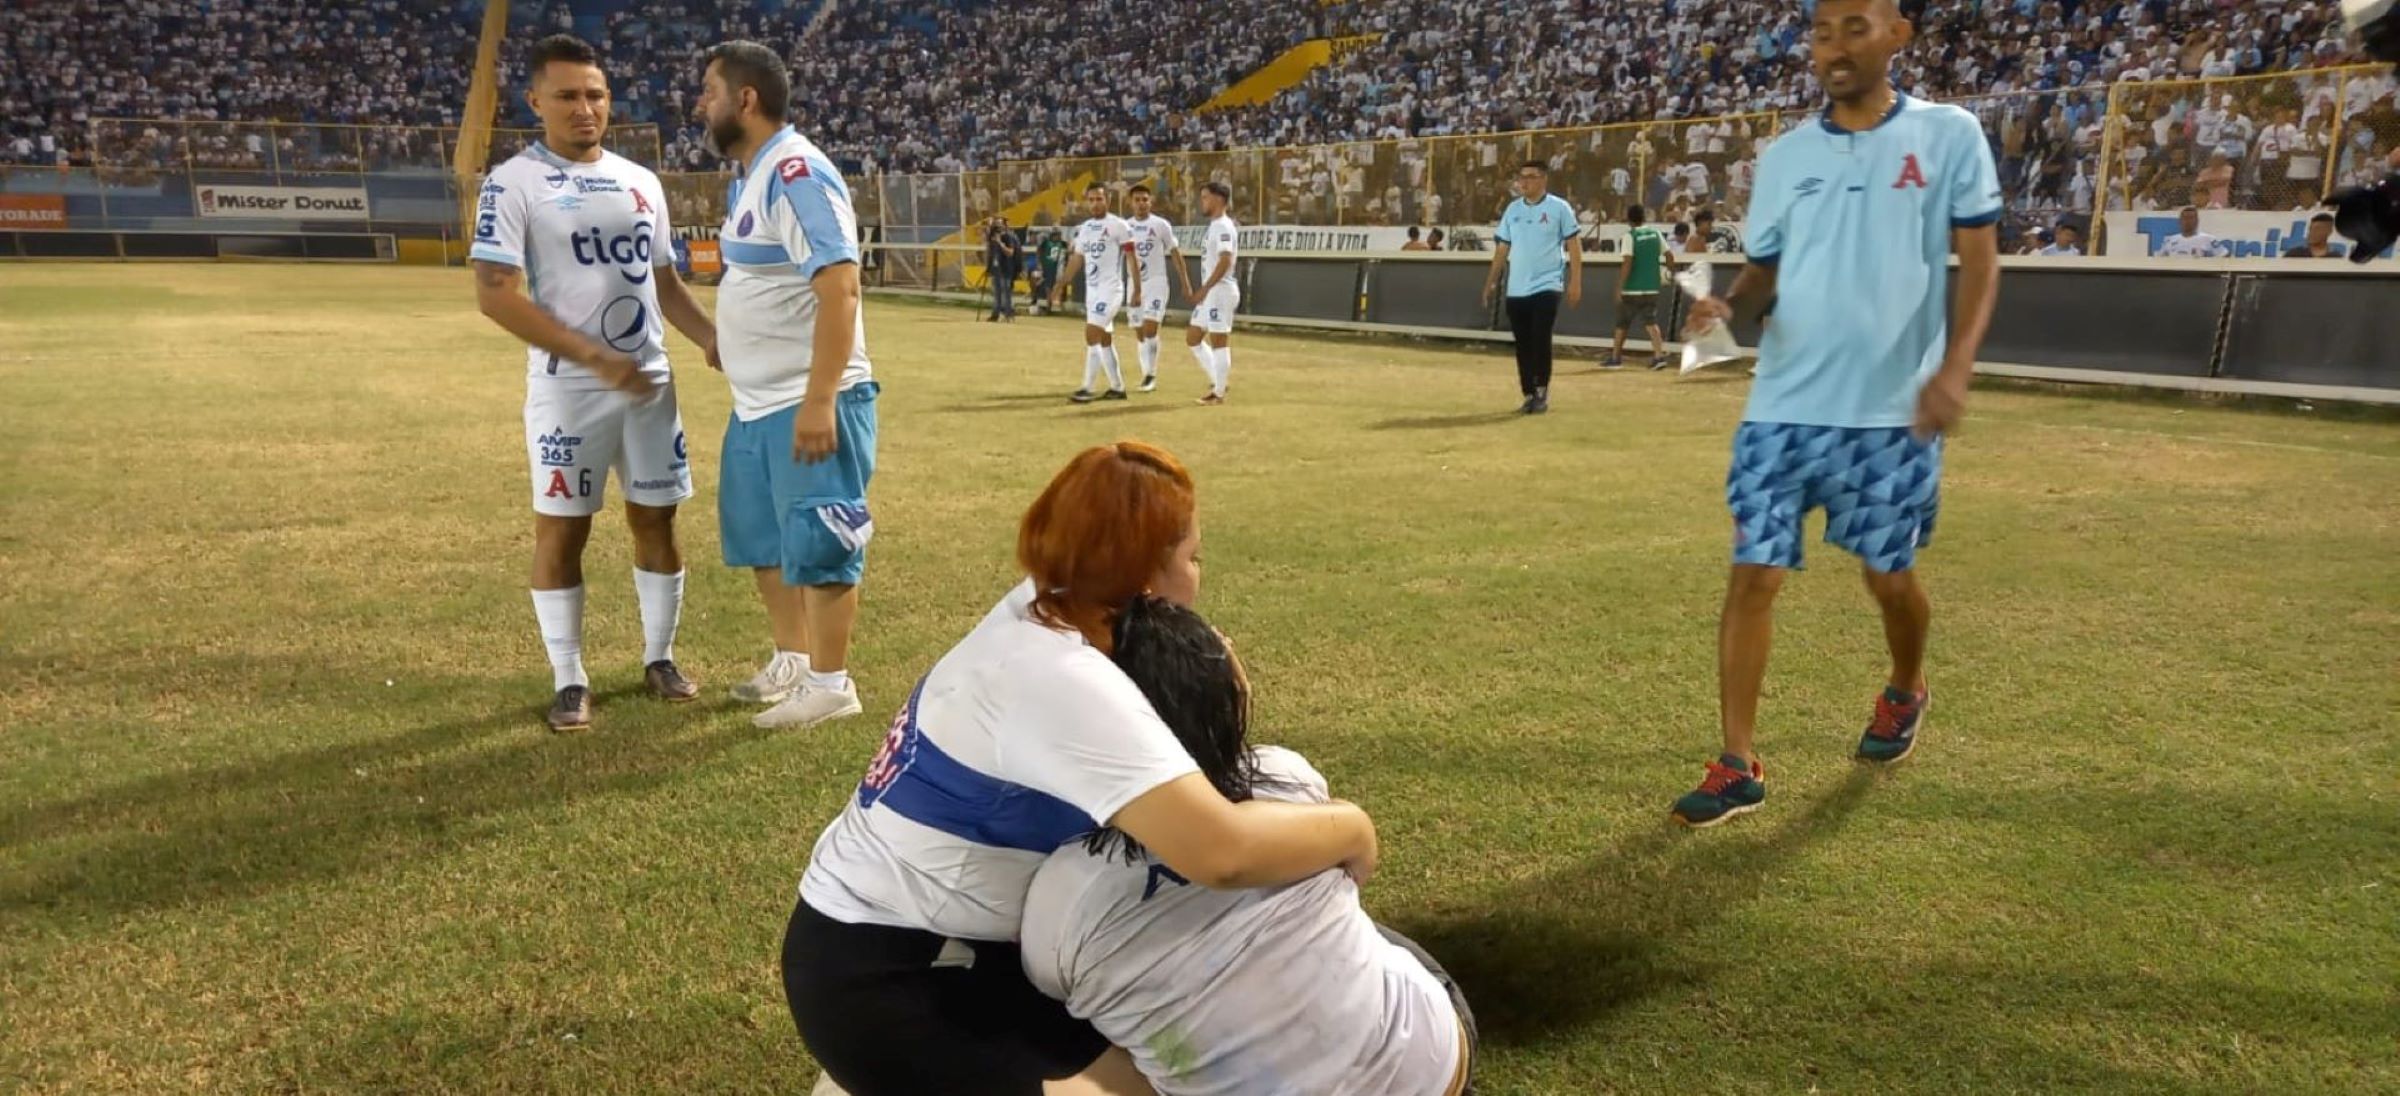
(1221, 844)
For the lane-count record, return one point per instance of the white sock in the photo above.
(561, 614)
(1150, 357)
(833, 682)
(1116, 373)
(1224, 355)
(799, 658)
(662, 609)
(1206, 355)
(1091, 366)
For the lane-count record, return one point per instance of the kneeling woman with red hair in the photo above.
(901, 963)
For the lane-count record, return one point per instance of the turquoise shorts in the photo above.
(810, 520)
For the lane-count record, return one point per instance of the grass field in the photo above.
(277, 811)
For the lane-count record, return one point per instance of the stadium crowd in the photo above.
(961, 84)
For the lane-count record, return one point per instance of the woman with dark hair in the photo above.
(1285, 989)
(900, 963)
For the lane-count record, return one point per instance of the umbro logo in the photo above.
(1810, 185)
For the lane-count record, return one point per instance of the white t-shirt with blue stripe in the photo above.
(788, 217)
(1019, 740)
(1858, 228)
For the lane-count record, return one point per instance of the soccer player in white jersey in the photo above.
(1219, 294)
(1290, 989)
(800, 448)
(1154, 252)
(1103, 250)
(587, 230)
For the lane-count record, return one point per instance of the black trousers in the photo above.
(1531, 318)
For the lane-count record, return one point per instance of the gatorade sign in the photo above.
(285, 203)
(37, 212)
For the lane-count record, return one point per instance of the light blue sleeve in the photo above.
(812, 215)
(1501, 233)
(1770, 203)
(1974, 181)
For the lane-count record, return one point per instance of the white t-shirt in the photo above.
(589, 237)
(1020, 739)
(1223, 992)
(2198, 245)
(787, 219)
(1153, 244)
(1100, 241)
(1222, 240)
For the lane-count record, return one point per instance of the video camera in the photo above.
(2370, 215)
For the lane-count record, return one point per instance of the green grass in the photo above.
(276, 810)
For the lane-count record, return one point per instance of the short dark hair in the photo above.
(1138, 188)
(1219, 189)
(1708, 215)
(1414, 232)
(1635, 214)
(2321, 219)
(558, 47)
(1190, 678)
(1536, 165)
(751, 65)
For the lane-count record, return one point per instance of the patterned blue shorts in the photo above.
(1880, 487)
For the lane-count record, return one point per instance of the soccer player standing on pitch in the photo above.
(1541, 248)
(1155, 252)
(587, 229)
(800, 448)
(1103, 250)
(1210, 335)
(1863, 370)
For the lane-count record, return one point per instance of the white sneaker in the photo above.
(777, 680)
(810, 706)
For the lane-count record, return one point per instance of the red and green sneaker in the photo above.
(1731, 788)
(1893, 732)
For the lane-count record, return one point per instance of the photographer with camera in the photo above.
(2370, 215)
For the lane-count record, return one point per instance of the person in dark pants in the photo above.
(1001, 253)
(1541, 249)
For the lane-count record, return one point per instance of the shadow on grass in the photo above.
(1446, 422)
(317, 814)
(1119, 411)
(1553, 955)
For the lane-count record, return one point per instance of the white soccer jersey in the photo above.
(1101, 241)
(2198, 245)
(1019, 739)
(589, 237)
(1154, 246)
(787, 218)
(1287, 989)
(1222, 241)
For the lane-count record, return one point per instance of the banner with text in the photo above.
(2241, 234)
(34, 212)
(315, 203)
(1598, 239)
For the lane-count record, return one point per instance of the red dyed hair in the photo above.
(1100, 532)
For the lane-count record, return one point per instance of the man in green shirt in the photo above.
(1052, 252)
(1639, 279)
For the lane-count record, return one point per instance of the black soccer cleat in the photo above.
(1113, 394)
(668, 683)
(570, 710)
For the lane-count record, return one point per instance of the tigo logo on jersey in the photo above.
(594, 249)
(792, 168)
(1911, 174)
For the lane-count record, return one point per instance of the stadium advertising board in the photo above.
(313, 203)
(32, 212)
(1603, 239)
(2245, 234)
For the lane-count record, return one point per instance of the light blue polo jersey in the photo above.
(1858, 228)
(1536, 234)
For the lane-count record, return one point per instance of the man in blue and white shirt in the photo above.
(1541, 249)
(1862, 370)
(800, 449)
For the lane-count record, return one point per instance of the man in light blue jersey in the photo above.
(799, 450)
(1541, 250)
(1862, 370)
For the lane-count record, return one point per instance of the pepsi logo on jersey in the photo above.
(625, 323)
(594, 248)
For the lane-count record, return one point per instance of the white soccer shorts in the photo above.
(1215, 314)
(1153, 305)
(574, 437)
(1101, 312)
